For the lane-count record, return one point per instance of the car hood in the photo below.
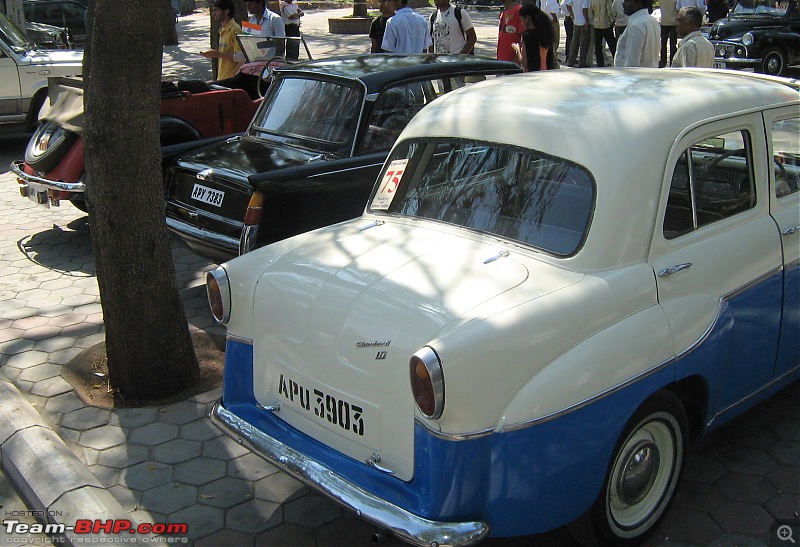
(737, 25)
(240, 157)
(54, 56)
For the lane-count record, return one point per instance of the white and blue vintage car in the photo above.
(559, 280)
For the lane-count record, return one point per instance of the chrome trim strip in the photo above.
(326, 173)
(586, 402)
(454, 436)
(239, 339)
(752, 395)
(247, 241)
(18, 170)
(225, 242)
(411, 528)
(678, 356)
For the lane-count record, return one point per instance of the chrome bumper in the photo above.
(17, 167)
(411, 528)
(206, 238)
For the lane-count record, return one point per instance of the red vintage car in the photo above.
(53, 167)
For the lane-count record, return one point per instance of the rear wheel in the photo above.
(641, 480)
(774, 62)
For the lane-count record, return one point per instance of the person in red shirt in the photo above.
(510, 32)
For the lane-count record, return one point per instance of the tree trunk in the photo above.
(149, 348)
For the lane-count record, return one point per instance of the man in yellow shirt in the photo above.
(222, 12)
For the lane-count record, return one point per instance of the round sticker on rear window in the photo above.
(388, 187)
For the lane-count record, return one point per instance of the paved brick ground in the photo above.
(170, 464)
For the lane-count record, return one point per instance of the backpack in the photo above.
(460, 26)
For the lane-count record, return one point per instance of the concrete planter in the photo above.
(349, 25)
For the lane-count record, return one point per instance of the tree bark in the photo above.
(149, 348)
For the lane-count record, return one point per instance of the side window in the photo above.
(786, 156)
(392, 111)
(712, 180)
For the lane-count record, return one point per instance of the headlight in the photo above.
(427, 382)
(748, 39)
(219, 294)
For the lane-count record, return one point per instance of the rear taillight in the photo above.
(427, 382)
(255, 207)
(219, 294)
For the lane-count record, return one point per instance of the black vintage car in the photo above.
(312, 151)
(759, 34)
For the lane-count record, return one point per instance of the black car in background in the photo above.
(69, 14)
(312, 152)
(759, 34)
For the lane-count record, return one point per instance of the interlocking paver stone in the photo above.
(40, 372)
(690, 527)
(124, 455)
(254, 516)
(250, 467)
(205, 520)
(85, 418)
(223, 448)
(102, 437)
(146, 475)
(176, 451)
(131, 418)
(65, 402)
(153, 434)
(199, 430)
(169, 498)
(181, 413)
(745, 488)
(51, 387)
(742, 518)
(311, 510)
(747, 460)
(229, 538)
(199, 471)
(225, 492)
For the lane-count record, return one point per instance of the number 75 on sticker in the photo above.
(388, 186)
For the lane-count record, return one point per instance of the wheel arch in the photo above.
(37, 100)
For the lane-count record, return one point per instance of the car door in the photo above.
(716, 257)
(10, 93)
(783, 128)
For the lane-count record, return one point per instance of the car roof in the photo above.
(559, 109)
(377, 71)
(619, 124)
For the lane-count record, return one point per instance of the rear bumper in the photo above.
(408, 526)
(18, 168)
(210, 244)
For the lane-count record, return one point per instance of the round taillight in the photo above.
(427, 382)
(219, 294)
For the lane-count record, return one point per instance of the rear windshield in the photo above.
(761, 6)
(516, 194)
(313, 110)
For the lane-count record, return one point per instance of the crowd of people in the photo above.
(529, 33)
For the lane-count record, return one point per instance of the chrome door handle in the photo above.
(790, 231)
(674, 269)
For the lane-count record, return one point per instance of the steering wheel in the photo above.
(266, 77)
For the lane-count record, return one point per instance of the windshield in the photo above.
(761, 6)
(521, 195)
(12, 35)
(315, 110)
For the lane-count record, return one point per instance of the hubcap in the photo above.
(773, 65)
(638, 472)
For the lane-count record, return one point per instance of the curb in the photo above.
(49, 476)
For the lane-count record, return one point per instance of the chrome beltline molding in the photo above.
(411, 528)
(778, 380)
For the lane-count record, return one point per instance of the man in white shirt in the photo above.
(640, 44)
(407, 31)
(551, 8)
(581, 33)
(699, 4)
(263, 22)
(694, 49)
(451, 28)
